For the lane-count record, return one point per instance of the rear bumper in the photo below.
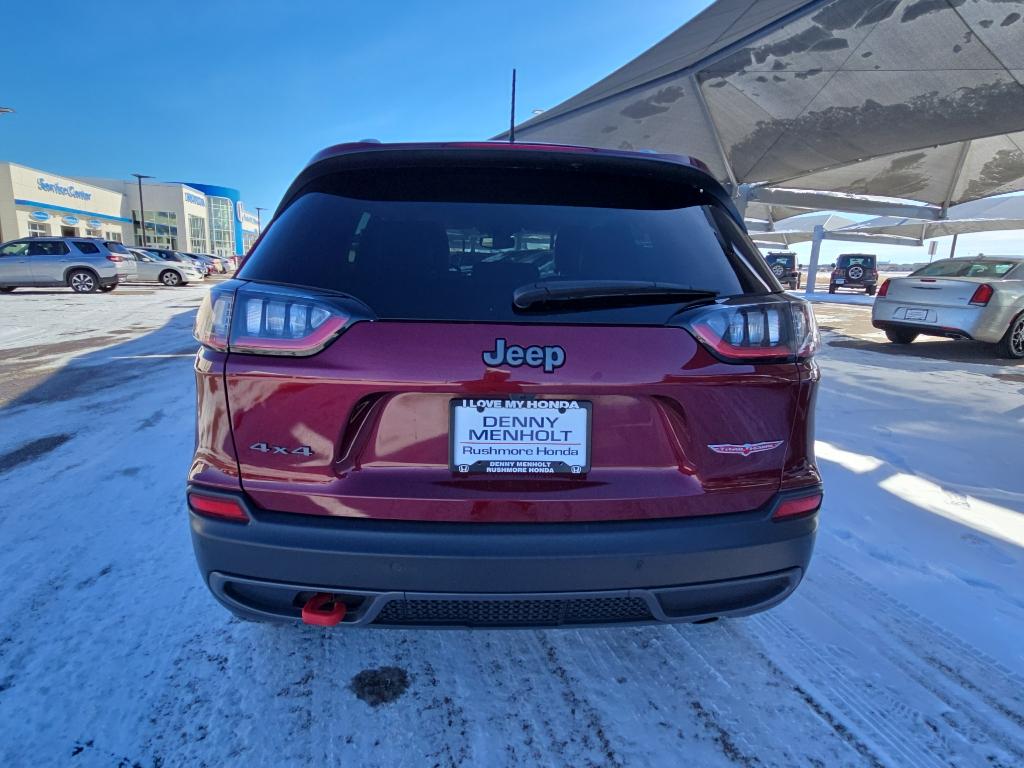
(466, 574)
(105, 281)
(977, 323)
(924, 330)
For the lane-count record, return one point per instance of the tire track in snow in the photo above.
(881, 721)
(742, 636)
(908, 638)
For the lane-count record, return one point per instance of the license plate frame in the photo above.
(916, 314)
(515, 459)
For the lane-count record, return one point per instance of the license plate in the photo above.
(840, 280)
(521, 436)
(917, 314)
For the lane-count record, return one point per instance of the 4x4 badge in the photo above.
(746, 448)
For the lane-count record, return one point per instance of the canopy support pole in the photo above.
(812, 267)
(832, 201)
(734, 190)
(957, 170)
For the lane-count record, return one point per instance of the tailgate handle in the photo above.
(323, 610)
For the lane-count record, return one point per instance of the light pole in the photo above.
(259, 224)
(142, 208)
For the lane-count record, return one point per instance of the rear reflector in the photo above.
(219, 507)
(884, 289)
(799, 506)
(982, 294)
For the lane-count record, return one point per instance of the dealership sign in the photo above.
(93, 223)
(71, 220)
(67, 190)
(246, 219)
(39, 216)
(195, 199)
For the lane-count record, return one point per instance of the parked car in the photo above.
(785, 267)
(412, 442)
(975, 298)
(213, 264)
(202, 265)
(84, 264)
(127, 271)
(164, 266)
(855, 270)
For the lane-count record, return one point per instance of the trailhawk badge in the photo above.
(746, 448)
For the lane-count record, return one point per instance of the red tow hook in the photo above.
(323, 610)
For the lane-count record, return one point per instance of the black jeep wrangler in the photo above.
(784, 266)
(855, 270)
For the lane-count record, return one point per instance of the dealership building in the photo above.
(36, 203)
(199, 218)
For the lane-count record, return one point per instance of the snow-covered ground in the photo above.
(901, 648)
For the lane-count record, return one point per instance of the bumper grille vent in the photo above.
(510, 613)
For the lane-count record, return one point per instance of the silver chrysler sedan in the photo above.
(979, 298)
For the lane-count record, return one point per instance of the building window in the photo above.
(197, 233)
(222, 225)
(248, 238)
(93, 233)
(38, 229)
(114, 237)
(161, 229)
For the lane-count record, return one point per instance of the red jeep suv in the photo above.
(503, 385)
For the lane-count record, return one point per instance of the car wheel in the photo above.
(6, 288)
(108, 288)
(900, 335)
(170, 278)
(1012, 344)
(831, 288)
(83, 281)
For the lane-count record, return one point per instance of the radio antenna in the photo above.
(512, 119)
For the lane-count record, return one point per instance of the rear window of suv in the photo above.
(455, 245)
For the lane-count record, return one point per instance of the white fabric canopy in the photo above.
(989, 215)
(915, 99)
(802, 229)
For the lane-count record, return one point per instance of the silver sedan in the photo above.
(974, 298)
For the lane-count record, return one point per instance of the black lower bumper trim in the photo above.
(472, 574)
(269, 601)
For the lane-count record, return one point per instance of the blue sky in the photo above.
(243, 93)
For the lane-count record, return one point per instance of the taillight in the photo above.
(883, 289)
(776, 331)
(213, 320)
(982, 294)
(218, 506)
(113, 257)
(269, 320)
(802, 505)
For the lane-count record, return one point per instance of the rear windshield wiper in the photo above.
(582, 294)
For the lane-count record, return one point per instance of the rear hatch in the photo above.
(511, 337)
